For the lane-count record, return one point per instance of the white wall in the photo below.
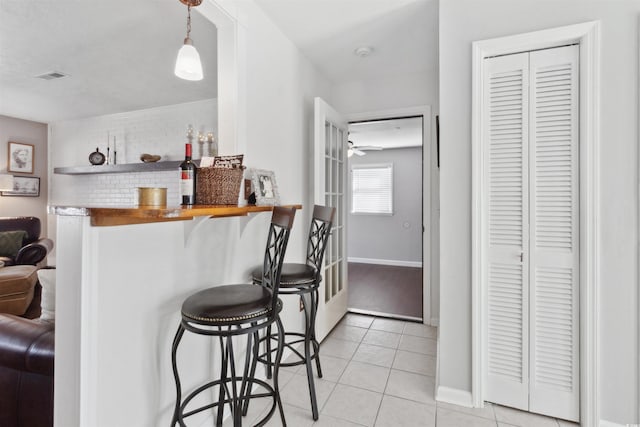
(465, 21)
(397, 237)
(277, 87)
(26, 132)
(393, 92)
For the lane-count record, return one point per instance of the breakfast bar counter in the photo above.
(122, 274)
(106, 216)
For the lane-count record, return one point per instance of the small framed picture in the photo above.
(20, 157)
(265, 187)
(28, 186)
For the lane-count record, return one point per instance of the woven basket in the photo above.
(218, 186)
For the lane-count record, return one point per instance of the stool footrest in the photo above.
(264, 357)
(268, 392)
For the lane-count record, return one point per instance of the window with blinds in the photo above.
(372, 189)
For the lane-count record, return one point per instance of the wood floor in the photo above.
(384, 289)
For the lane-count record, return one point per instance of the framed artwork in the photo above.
(20, 157)
(28, 186)
(265, 187)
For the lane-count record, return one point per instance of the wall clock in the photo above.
(96, 158)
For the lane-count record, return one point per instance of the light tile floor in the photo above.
(380, 372)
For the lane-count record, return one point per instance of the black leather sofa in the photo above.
(26, 372)
(34, 249)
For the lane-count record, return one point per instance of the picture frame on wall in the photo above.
(265, 187)
(20, 157)
(27, 186)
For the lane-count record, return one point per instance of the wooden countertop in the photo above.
(109, 216)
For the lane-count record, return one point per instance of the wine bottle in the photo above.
(188, 178)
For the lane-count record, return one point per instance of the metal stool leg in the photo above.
(312, 329)
(236, 411)
(276, 369)
(174, 349)
(251, 360)
(308, 311)
(223, 377)
(268, 354)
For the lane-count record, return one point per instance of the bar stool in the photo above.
(233, 310)
(303, 280)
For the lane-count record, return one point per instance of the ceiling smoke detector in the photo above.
(51, 75)
(363, 51)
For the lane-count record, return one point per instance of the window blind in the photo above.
(372, 187)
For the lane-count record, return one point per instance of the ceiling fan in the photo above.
(359, 150)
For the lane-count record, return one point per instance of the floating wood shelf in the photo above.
(109, 216)
(124, 168)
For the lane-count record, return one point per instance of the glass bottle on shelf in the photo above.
(188, 178)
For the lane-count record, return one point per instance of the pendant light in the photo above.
(188, 65)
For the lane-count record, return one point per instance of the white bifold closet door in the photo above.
(530, 157)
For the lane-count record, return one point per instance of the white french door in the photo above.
(330, 185)
(530, 159)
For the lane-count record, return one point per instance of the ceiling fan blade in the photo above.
(369, 147)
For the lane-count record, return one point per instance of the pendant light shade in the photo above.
(188, 65)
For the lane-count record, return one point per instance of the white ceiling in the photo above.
(119, 56)
(386, 134)
(402, 33)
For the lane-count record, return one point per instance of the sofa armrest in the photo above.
(27, 345)
(35, 252)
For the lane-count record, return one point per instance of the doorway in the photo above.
(385, 217)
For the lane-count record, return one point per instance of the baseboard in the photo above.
(454, 396)
(380, 314)
(605, 423)
(393, 262)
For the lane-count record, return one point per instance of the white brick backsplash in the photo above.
(159, 131)
(121, 189)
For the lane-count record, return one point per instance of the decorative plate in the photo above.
(149, 158)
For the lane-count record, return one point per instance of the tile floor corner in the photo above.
(380, 372)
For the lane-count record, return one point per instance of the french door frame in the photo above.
(428, 162)
(587, 35)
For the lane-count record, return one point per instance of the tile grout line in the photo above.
(390, 368)
(375, 419)
(395, 352)
(351, 360)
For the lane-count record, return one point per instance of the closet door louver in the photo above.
(505, 165)
(554, 256)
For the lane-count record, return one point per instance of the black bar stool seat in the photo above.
(292, 276)
(228, 303)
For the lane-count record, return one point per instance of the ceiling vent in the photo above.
(52, 75)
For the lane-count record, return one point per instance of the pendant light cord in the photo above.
(188, 21)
